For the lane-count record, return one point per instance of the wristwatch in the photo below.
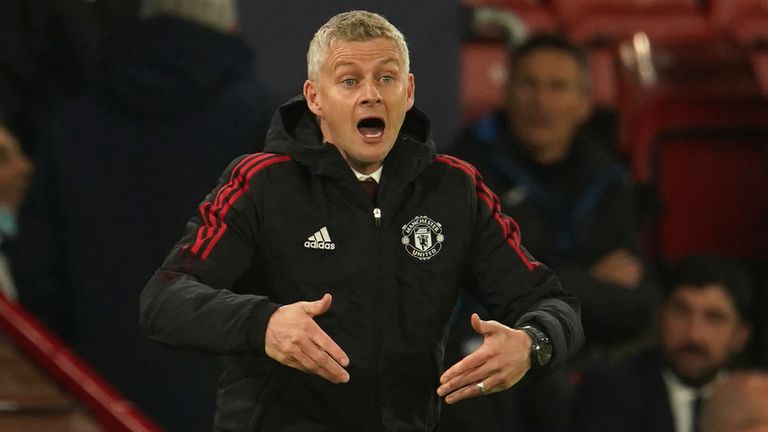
(541, 347)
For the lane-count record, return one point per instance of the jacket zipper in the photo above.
(376, 420)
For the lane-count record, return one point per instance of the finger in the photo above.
(318, 307)
(472, 390)
(470, 362)
(301, 361)
(467, 378)
(325, 343)
(480, 326)
(324, 365)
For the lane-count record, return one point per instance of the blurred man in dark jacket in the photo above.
(51, 50)
(120, 170)
(574, 203)
(703, 325)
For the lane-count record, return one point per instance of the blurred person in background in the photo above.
(15, 172)
(702, 327)
(575, 205)
(120, 169)
(51, 50)
(739, 403)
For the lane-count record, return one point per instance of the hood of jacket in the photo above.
(294, 132)
(166, 66)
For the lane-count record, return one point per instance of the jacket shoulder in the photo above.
(458, 165)
(245, 167)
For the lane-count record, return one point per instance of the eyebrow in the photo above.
(388, 60)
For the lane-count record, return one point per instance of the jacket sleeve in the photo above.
(190, 302)
(611, 314)
(516, 289)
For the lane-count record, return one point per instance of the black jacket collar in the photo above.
(294, 132)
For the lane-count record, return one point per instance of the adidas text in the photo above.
(314, 244)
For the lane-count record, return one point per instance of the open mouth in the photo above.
(372, 127)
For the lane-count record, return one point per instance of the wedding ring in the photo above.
(481, 387)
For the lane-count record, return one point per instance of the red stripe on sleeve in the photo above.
(509, 228)
(210, 213)
(214, 211)
(209, 209)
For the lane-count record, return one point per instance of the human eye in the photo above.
(678, 311)
(525, 83)
(716, 318)
(559, 86)
(349, 82)
(386, 79)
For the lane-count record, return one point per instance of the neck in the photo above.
(549, 155)
(366, 169)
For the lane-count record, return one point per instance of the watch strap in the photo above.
(541, 347)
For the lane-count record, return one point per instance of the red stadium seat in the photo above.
(680, 115)
(698, 132)
(534, 14)
(614, 20)
(483, 77)
(505, 4)
(572, 10)
(744, 20)
(708, 158)
(712, 189)
(687, 89)
(603, 25)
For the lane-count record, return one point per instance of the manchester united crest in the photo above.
(423, 237)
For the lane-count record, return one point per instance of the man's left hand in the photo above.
(499, 363)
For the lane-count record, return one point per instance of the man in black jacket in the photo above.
(330, 300)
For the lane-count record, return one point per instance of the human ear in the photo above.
(741, 337)
(312, 97)
(585, 109)
(411, 91)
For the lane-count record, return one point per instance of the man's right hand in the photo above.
(294, 339)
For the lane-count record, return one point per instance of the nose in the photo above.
(697, 330)
(370, 95)
(542, 97)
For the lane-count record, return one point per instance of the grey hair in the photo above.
(219, 15)
(352, 26)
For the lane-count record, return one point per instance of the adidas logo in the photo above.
(320, 240)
